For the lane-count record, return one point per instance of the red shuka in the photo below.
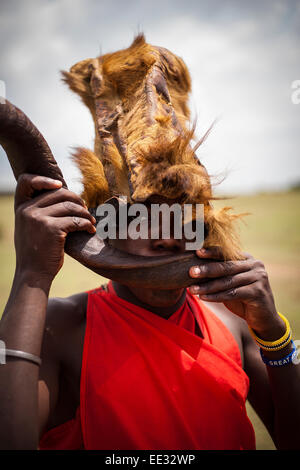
(152, 383)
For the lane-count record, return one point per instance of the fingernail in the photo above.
(94, 220)
(196, 270)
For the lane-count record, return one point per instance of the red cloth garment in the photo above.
(67, 436)
(151, 383)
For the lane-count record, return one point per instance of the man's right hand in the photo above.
(42, 223)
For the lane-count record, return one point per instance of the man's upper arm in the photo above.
(63, 314)
(259, 391)
(49, 371)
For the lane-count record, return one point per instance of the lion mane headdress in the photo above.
(138, 98)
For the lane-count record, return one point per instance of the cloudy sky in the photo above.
(243, 57)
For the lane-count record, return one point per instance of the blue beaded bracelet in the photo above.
(280, 362)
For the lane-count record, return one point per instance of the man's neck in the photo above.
(125, 293)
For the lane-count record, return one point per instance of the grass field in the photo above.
(271, 233)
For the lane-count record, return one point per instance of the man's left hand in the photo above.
(242, 286)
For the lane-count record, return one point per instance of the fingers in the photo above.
(215, 252)
(67, 208)
(223, 284)
(55, 197)
(72, 224)
(60, 209)
(236, 293)
(220, 269)
(28, 184)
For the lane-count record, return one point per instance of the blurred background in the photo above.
(243, 58)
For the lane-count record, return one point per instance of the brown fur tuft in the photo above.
(138, 98)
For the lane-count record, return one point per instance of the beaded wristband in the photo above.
(280, 362)
(276, 348)
(277, 344)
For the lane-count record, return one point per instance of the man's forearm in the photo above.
(285, 387)
(21, 328)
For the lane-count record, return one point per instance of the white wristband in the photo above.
(22, 355)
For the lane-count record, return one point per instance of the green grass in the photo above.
(271, 234)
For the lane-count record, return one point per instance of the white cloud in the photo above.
(242, 61)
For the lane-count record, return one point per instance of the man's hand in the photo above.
(243, 287)
(42, 223)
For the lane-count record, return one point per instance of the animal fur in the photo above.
(138, 99)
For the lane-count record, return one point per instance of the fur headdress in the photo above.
(138, 99)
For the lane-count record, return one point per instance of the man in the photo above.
(35, 401)
(139, 368)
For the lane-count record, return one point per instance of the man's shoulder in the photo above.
(235, 324)
(66, 312)
(65, 317)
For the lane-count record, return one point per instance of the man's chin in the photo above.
(159, 297)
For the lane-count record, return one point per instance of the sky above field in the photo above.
(243, 57)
